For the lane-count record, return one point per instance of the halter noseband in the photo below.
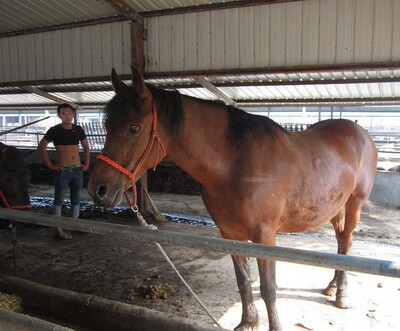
(132, 175)
(5, 201)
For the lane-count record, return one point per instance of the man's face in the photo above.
(66, 115)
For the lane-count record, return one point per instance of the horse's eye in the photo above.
(134, 129)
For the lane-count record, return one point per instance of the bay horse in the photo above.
(14, 179)
(257, 179)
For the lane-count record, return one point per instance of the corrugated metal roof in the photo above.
(250, 89)
(26, 98)
(313, 88)
(150, 5)
(18, 15)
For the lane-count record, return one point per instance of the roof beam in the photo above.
(285, 83)
(106, 88)
(377, 66)
(35, 90)
(125, 10)
(46, 86)
(212, 6)
(64, 26)
(226, 72)
(213, 89)
(319, 102)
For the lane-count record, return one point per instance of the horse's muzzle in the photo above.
(103, 196)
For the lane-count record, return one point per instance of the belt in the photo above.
(73, 168)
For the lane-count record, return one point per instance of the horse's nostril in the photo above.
(102, 191)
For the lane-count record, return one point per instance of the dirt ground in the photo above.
(137, 273)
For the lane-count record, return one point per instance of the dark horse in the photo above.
(14, 179)
(257, 178)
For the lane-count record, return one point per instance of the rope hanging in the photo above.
(143, 223)
(154, 137)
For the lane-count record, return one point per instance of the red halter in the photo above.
(132, 175)
(5, 201)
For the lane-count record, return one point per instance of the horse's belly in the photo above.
(304, 223)
(301, 218)
(315, 201)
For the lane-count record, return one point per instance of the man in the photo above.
(66, 137)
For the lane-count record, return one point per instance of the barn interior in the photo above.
(295, 61)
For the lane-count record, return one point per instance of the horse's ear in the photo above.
(137, 81)
(118, 84)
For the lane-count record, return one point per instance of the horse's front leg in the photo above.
(268, 289)
(249, 312)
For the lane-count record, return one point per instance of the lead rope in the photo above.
(143, 223)
(154, 137)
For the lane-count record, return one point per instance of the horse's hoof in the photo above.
(247, 327)
(243, 327)
(341, 303)
(329, 291)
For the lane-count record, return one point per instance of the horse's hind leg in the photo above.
(338, 225)
(344, 234)
(268, 289)
(249, 311)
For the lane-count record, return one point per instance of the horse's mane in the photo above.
(11, 160)
(9, 150)
(170, 112)
(242, 123)
(119, 106)
(169, 107)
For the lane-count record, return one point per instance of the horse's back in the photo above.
(346, 135)
(340, 128)
(343, 135)
(353, 145)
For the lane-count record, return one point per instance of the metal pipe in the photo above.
(298, 256)
(22, 126)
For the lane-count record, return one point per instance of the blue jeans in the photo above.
(64, 180)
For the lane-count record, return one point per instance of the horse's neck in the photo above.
(203, 142)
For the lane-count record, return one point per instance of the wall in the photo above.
(300, 33)
(89, 51)
(386, 188)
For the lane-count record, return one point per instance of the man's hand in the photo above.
(56, 167)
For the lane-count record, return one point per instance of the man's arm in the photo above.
(42, 149)
(86, 154)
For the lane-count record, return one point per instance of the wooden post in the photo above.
(137, 59)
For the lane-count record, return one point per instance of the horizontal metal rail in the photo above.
(298, 256)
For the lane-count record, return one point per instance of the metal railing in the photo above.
(30, 138)
(291, 255)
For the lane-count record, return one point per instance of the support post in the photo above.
(138, 62)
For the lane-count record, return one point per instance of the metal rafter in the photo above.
(37, 91)
(213, 89)
(125, 10)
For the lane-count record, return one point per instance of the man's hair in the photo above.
(65, 105)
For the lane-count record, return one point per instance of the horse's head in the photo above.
(132, 144)
(14, 179)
